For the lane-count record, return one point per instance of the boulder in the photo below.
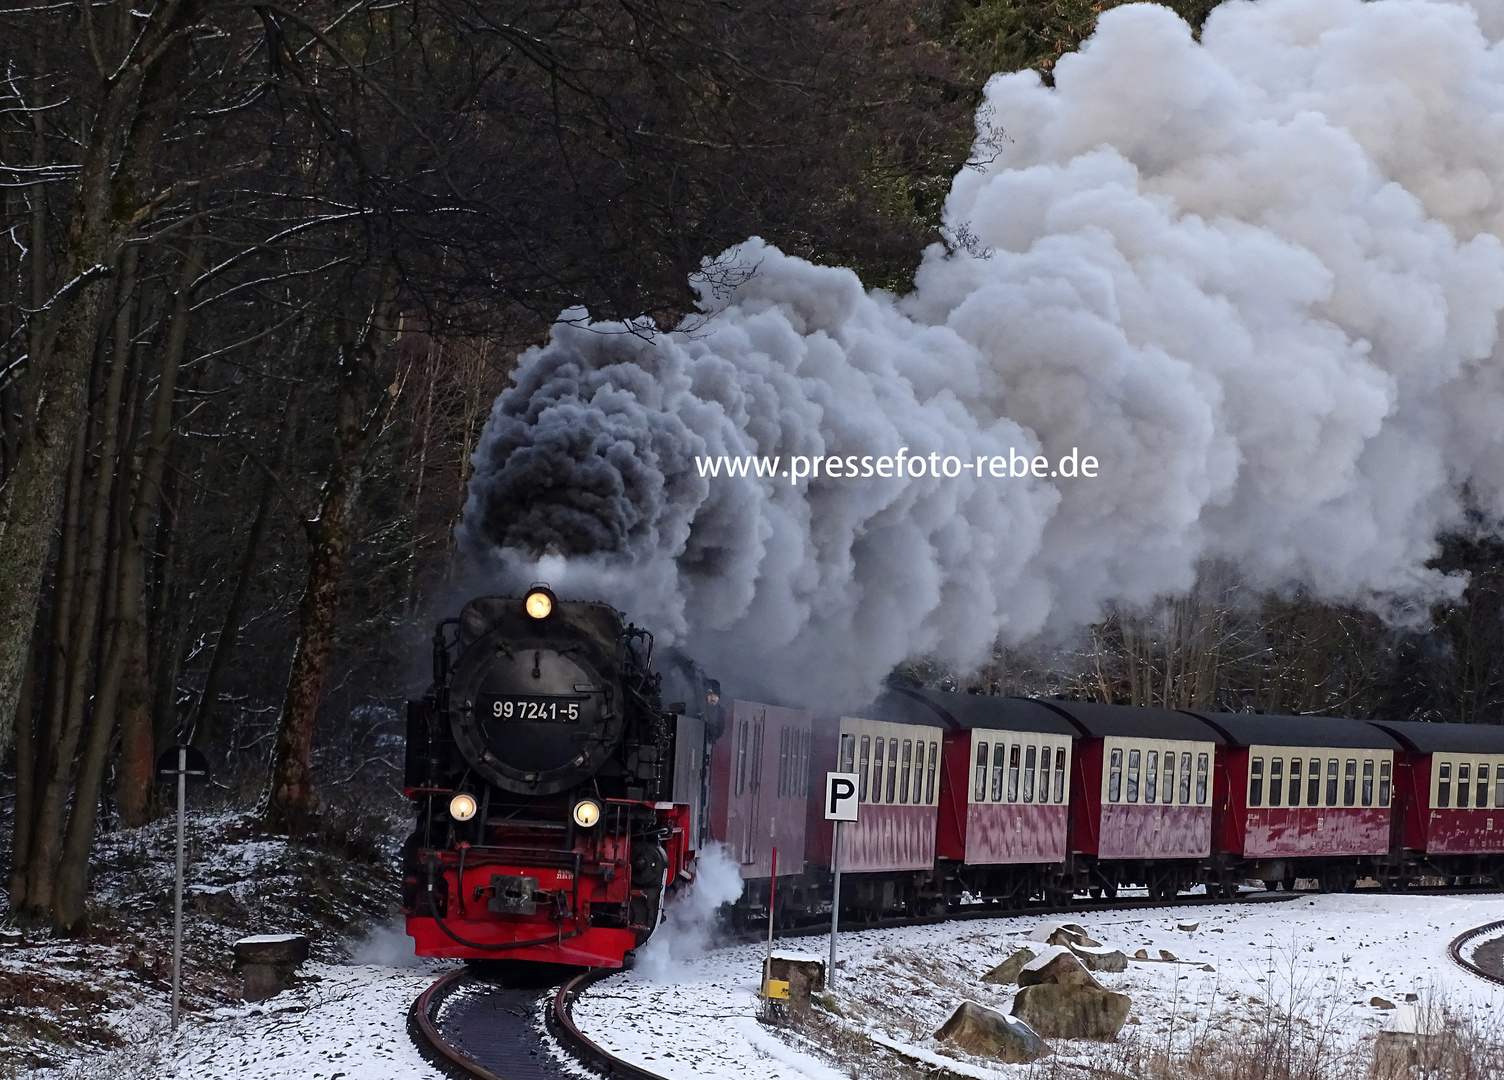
(1141, 954)
(1167, 956)
(1006, 973)
(1380, 1003)
(987, 1033)
(1412, 1040)
(804, 974)
(1100, 957)
(1072, 1012)
(266, 963)
(1056, 966)
(1188, 927)
(1061, 933)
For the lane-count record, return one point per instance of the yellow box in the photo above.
(778, 988)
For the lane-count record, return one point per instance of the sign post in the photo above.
(180, 762)
(841, 804)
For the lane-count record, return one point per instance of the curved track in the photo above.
(1488, 960)
(475, 1029)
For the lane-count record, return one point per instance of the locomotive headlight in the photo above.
(462, 806)
(586, 813)
(539, 603)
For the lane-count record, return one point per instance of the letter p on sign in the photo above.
(840, 796)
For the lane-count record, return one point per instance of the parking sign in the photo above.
(840, 796)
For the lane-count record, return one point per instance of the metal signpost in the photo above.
(180, 762)
(840, 805)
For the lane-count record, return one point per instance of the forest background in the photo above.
(265, 267)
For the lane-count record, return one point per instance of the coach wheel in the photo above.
(1095, 892)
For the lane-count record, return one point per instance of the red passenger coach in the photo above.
(1449, 792)
(889, 850)
(759, 790)
(1004, 796)
(1305, 796)
(1142, 794)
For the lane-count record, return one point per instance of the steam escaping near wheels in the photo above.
(1259, 277)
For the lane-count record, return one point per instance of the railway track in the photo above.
(1488, 959)
(475, 1028)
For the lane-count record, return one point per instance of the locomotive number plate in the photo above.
(534, 708)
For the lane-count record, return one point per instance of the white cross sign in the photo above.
(840, 796)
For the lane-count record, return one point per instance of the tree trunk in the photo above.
(289, 803)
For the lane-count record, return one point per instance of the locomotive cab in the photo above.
(540, 766)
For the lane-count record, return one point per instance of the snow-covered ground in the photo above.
(1324, 957)
(1319, 958)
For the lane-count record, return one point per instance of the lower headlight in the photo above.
(586, 813)
(462, 806)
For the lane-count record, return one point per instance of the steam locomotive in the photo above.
(541, 765)
(560, 803)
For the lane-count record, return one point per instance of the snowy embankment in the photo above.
(1320, 959)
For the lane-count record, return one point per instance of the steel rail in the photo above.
(1463, 939)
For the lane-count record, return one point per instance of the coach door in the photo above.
(749, 783)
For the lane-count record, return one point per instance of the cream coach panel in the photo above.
(1167, 772)
(1010, 767)
(898, 764)
(1319, 776)
(1467, 781)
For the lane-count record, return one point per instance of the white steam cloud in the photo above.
(1259, 277)
(689, 919)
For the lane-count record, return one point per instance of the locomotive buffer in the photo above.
(841, 803)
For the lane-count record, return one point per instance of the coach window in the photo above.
(1185, 779)
(1203, 771)
(908, 767)
(848, 753)
(877, 769)
(1115, 777)
(1167, 783)
(1060, 774)
(1384, 767)
(1151, 775)
(1464, 784)
(1331, 781)
(741, 759)
(1276, 781)
(919, 771)
(1313, 783)
(784, 766)
(929, 784)
(1031, 756)
(861, 772)
(805, 738)
(1444, 785)
(1499, 786)
(1482, 802)
(999, 763)
(1134, 757)
(1350, 782)
(1295, 781)
(1368, 782)
(892, 770)
(979, 791)
(1013, 756)
(1256, 782)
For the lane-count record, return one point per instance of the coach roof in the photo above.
(1262, 729)
(962, 712)
(1445, 738)
(1134, 722)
